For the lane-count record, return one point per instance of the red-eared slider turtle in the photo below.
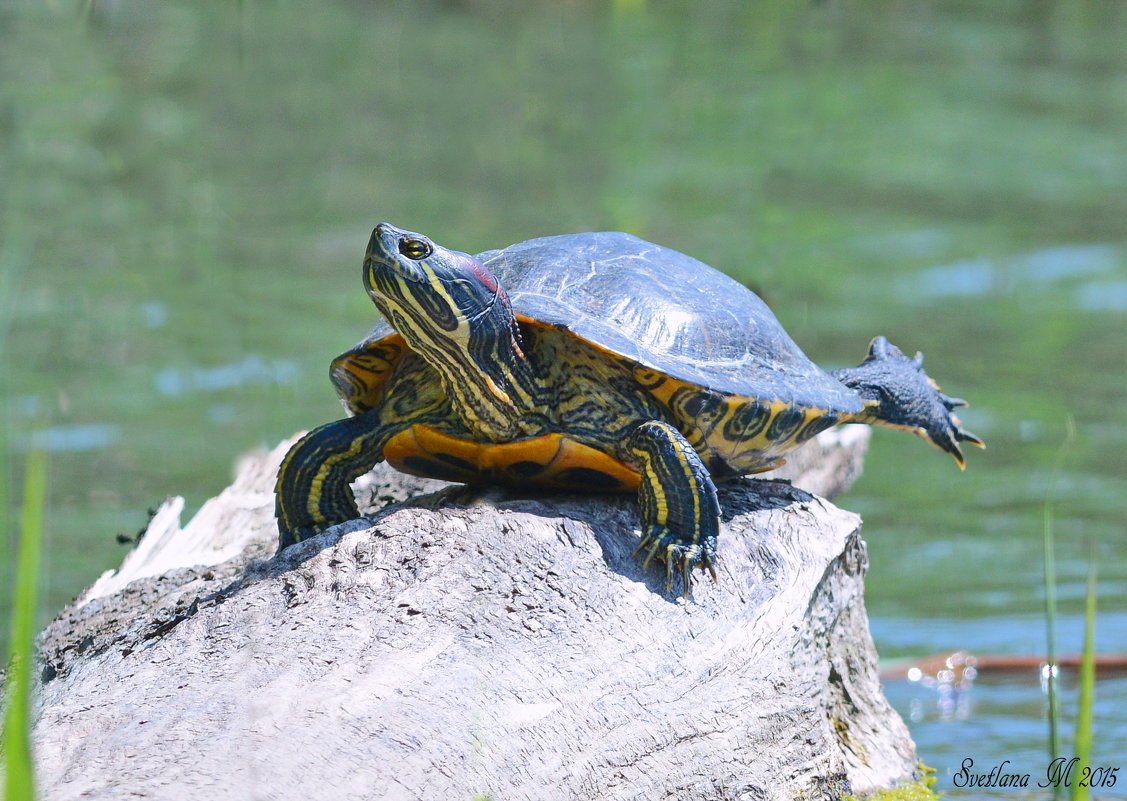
(593, 361)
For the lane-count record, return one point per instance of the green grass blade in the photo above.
(1048, 539)
(1050, 635)
(1087, 684)
(20, 785)
(6, 560)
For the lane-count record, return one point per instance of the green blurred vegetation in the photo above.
(186, 191)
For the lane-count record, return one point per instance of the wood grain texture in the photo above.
(477, 644)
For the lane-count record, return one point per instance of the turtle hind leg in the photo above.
(313, 489)
(680, 511)
(899, 394)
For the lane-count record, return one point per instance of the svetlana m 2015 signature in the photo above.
(1061, 772)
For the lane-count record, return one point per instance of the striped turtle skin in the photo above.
(593, 361)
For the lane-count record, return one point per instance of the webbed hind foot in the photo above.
(899, 394)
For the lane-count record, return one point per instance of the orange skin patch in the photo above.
(359, 376)
(553, 460)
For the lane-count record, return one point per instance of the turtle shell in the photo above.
(660, 308)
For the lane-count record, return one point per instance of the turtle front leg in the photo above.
(680, 512)
(313, 487)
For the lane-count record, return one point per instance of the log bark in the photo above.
(473, 644)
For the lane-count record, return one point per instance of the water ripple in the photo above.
(71, 438)
(174, 381)
(975, 277)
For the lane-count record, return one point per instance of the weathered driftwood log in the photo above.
(474, 644)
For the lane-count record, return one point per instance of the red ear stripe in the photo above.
(486, 277)
(490, 281)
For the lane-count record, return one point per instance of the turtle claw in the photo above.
(677, 555)
(973, 440)
(951, 432)
(955, 433)
(946, 431)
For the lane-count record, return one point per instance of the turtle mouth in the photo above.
(379, 269)
(386, 285)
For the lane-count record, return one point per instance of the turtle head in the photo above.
(453, 312)
(424, 286)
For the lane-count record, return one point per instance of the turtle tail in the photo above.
(899, 394)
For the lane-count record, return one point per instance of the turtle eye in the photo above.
(415, 249)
